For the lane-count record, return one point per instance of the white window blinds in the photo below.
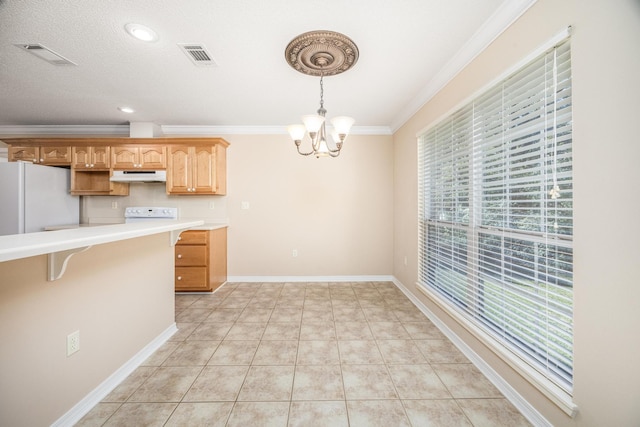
(496, 219)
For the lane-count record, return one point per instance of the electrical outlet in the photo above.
(114, 205)
(212, 205)
(73, 343)
(244, 205)
(294, 253)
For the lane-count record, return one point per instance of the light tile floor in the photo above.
(305, 354)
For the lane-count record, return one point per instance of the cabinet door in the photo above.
(193, 237)
(191, 279)
(125, 158)
(55, 156)
(190, 255)
(204, 160)
(100, 157)
(94, 158)
(178, 171)
(25, 154)
(153, 157)
(81, 157)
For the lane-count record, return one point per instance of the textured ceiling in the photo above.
(404, 45)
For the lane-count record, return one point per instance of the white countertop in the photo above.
(210, 226)
(18, 246)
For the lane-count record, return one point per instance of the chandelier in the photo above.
(321, 53)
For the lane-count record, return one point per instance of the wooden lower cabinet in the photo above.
(201, 260)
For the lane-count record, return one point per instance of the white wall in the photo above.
(606, 66)
(336, 212)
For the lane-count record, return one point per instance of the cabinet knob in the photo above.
(86, 165)
(179, 256)
(179, 277)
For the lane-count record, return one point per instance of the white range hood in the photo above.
(139, 176)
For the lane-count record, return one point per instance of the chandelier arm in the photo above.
(304, 154)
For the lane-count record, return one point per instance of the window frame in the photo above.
(474, 229)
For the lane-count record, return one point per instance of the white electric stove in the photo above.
(147, 213)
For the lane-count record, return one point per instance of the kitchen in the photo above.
(76, 308)
(355, 217)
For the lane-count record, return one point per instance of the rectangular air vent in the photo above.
(197, 53)
(45, 53)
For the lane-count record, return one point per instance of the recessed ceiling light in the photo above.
(141, 32)
(126, 109)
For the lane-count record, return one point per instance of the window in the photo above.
(496, 214)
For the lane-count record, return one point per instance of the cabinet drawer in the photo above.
(191, 278)
(193, 237)
(191, 255)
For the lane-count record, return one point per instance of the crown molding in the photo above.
(258, 130)
(6, 131)
(508, 12)
(167, 130)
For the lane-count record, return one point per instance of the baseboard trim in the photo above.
(525, 408)
(271, 279)
(81, 408)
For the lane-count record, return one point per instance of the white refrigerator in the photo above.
(33, 197)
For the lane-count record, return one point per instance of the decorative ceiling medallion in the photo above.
(321, 53)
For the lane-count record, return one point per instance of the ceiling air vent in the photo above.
(197, 53)
(45, 53)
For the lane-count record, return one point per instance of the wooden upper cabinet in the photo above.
(194, 165)
(196, 170)
(144, 157)
(25, 154)
(95, 158)
(56, 156)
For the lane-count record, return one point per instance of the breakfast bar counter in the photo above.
(116, 295)
(18, 246)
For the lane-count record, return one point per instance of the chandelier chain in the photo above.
(321, 92)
